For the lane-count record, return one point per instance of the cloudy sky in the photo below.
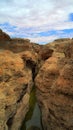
(42, 21)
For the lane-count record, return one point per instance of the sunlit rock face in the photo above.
(15, 86)
(54, 84)
(49, 68)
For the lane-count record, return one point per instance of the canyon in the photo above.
(47, 68)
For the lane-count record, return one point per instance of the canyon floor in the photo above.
(48, 68)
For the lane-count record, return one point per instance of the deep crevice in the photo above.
(30, 64)
(22, 93)
(29, 115)
(9, 122)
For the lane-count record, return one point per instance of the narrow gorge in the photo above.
(36, 84)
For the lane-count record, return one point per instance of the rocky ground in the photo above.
(50, 68)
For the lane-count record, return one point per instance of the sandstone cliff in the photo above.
(50, 68)
(15, 86)
(54, 84)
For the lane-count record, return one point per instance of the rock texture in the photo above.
(50, 68)
(4, 36)
(4, 40)
(54, 84)
(15, 86)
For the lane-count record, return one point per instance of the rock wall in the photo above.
(54, 88)
(50, 68)
(15, 86)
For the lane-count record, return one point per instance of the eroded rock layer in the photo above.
(15, 85)
(54, 84)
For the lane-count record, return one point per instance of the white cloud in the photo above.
(44, 39)
(35, 13)
(39, 15)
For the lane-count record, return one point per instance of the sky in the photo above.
(42, 21)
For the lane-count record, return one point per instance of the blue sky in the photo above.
(41, 21)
